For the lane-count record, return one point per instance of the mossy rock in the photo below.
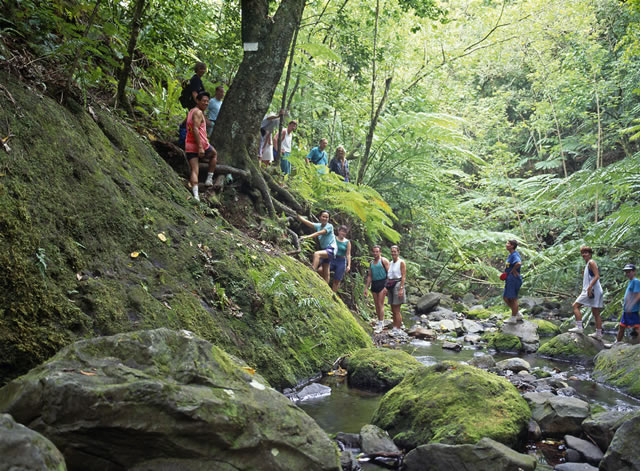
(480, 314)
(452, 403)
(546, 328)
(161, 399)
(620, 367)
(571, 346)
(79, 196)
(379, 369)
(503, 342)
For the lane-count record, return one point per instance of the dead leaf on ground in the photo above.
(162, 237)
(134, 254)
(88, 373)
(249, 370)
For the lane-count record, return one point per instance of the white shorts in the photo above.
(585, 300)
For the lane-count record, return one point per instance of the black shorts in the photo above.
(194, 155)
(378, 285)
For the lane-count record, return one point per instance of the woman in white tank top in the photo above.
(396, 276)
(591, 295)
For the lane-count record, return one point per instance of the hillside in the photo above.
(98, 236)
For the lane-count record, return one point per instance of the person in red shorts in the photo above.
(197, 144)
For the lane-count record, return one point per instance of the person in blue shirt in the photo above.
(513, 282)
(326, 239)
(318, 156)
(213, 109)
(631, 305)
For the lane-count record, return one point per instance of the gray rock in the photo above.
(533, 431)
(472, 327)
(571, 346)
(573, 456)
(483, 360)
(422, 333)
(348, 462)
(442, 313)
(451, 346)
(527, 332)
(122, 402)
(574, 467)
(557, 415)
(602, 426)
(588, 451)
(469, 299)
(477, 307)
(514, 364)
(311, 391)
(22, 449)
(486, 455)
(428, 302)
(528, 302)
(376, 440)
(473, 339)
(349, 440)
(622, 454)
(620, 367)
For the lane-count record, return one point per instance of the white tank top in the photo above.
(394, 273)
(286, 142)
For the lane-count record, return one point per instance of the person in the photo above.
(197, 145)
(214, 108)
(377, 279)
(631, 304)
(326, 239)
(396, 278)
(195, 85)
(285, 146)
(266, 156)
(339, 164)
(513, 281)
(317, 155)
(591, 295)
(341, 264)
(268, 124)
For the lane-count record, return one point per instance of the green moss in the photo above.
(620, 367)
(546, 328)
(452, 403)
(83, 196)
(540, 373)
(379, 369)
(503, 342)
(480, 314)
(570, 346)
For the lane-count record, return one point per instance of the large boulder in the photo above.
(602, 426)
(571, 346)
(620, 367)
(514, 364)
(588, 451)
(428, 302)
(379, 369)
(375, 440)
(526, 331)
(22, 449)
(503, 342)
(160, 400)
(486, 455)
(557, 415)
(452, 403)
(546, 328)
(622, 454)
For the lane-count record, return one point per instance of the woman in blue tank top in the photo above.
(377, 278)
(341, 264)
(326, 239)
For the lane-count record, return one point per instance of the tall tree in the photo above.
(266, 46)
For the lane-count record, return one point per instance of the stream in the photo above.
(347, 409)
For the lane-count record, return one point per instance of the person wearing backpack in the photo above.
(194, 87)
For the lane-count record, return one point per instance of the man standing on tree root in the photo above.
(377, 279)
(197, 145)
(591, 295)
(513, 282)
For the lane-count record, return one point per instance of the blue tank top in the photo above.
(378, 271)
(342, 248)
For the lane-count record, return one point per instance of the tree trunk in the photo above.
(237, 130)
(121, 97)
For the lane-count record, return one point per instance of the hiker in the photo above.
(513, 281)
(631, 305)
(195, 86)
(197, 145)
(377, 279)
(213, 109)
(326, 239)
(317, 155)
(591, 295)
(341, 264)
(339, 164)
(285, 146)
(266, 155)
(269, 123)
(396, 278)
